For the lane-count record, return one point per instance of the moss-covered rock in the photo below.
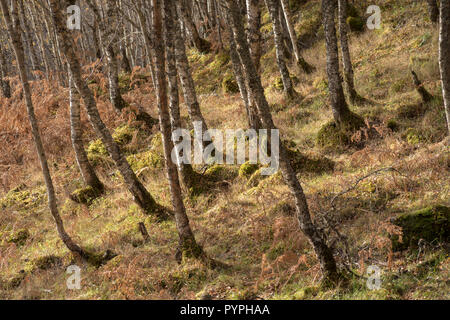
(220, 172)
(23, 199)
(331, 135)
(229, 84)
(19, 237)
(247, 169)
(85, 195)
(148, 159)
(431, 224)
(356, 23)
(47, 262)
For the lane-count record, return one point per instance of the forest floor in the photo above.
(248, 223)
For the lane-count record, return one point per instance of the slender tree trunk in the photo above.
(305, 66)
(186, 170)
(87, 172)
(346, 59)
(6, 87)
(186, 80)
(200, 44)
(13, 31)
(323, 252)
(434, 10)
(341, 113)
(444, 56)
(253, 31)
(140, 195)
(237, 69)
(187, 240)
(288, 87)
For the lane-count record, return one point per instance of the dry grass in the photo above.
(251, 229)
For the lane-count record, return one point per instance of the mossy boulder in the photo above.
(85, 195)
(247, 169)
(332, 135)
(220, 172)
(148, 159)
(47, 262)
(23, 199)
(356, 24)
(229, 84)
(19, 237)
(431, 224)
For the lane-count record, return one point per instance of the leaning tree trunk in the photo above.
(187, 241)
(87, 172)
(343, 117)
(14, 33)
(288, 87)
(434, 10)
(305, 66)
(140, 195)
(323, 252)
(444, 56)
(346, 59)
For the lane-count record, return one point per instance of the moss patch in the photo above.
(247, 169)
(85, 195)
(20, 237)
(229, 84)
(23, 199)
(431, 224)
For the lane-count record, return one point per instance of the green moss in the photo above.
(229, 84)
(247, 169)
(143, 160)
(220, 172)
(123, 134)
(306, 293)
(431, 224)
(47, 262)
(333, 136)
(413, 136)
(85, 195)
(20, 237)
(321, 84)
(278, 84)
(23, 199)
(393, 125)
(356, 24)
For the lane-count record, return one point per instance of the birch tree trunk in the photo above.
(434, 10)
(305, 66)
(346, 59)
(288, 87)
(187, 241)
(186, 171)
(140, 195)
(87, 172)
(323, 252)
(444, 56)
(6, 87)
(185, 75)
(200, 44)
(12, 24)
(343, 117)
